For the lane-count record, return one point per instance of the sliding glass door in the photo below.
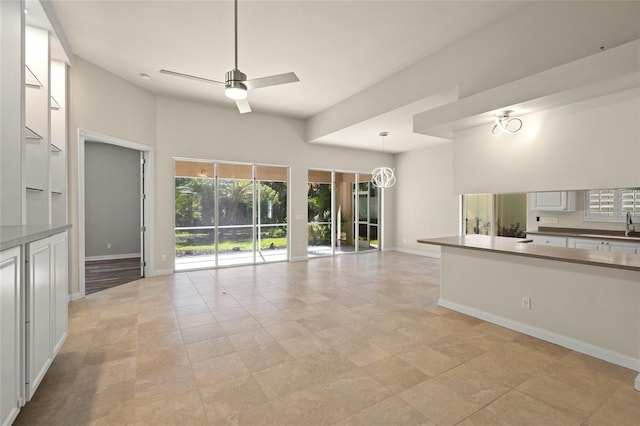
(236, 233)
(368, 205)
(229, 214)
(342, 213)
(320, 220)
(271, 233)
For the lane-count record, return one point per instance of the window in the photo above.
(611, 205)
(504, 215)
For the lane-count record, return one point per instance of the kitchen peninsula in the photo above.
(585, 300)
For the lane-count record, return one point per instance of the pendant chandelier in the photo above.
(383, 177)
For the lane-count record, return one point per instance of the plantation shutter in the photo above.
(612, 204)
(630, 201)
(601, 202)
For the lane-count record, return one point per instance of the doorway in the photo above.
(115, 222)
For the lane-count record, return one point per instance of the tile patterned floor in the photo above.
(349, 340)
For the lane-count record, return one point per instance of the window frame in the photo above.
(618, 214)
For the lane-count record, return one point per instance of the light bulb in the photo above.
(236, 93)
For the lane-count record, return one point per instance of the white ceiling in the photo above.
(337, 49)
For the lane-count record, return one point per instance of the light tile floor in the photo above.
(348, 340)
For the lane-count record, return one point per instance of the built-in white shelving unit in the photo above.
(44, 160)
(33, 198)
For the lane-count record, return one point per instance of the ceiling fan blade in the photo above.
(189, 76)
(271, 80)
(243, 105)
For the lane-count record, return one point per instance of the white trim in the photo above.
(112, 257)
(416, 252)
(636, 386)
(87, 135)
(558, 339)
(298, 258)
(75, 296)
(164, 272)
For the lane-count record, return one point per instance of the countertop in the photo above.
(523, 247)
(634, 237)
(12, 236)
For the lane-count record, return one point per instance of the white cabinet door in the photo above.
(605, 245)
(10, 333)
(39, 313)
(548, 240)
(623, 247)
(554, 201)
(60, 289)
(586, 244)
(47, 302)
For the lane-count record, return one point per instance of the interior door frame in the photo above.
(147, 216)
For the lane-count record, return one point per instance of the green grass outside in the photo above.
(195, 248)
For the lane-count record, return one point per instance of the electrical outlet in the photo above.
(163, 257)
(525, 303)
(108, 245)
(549, 220)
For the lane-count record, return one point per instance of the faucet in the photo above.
(627, 225)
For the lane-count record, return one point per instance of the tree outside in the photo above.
(194, 207)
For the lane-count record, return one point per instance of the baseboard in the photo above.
(558, 339)
(298, 259)
(111, 257)
(161, 272)
(75, 296)
(416, 252)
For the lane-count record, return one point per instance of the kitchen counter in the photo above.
(523, 247)
(584, 300)
(12, 236)
(588, 233)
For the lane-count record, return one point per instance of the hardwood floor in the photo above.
(103, 274)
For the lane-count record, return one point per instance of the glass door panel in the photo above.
(345, 235)
(319, 218)
(368, 205)
(477, 214)
(235, 243)
(194, 221)
(511, 215)
(271, 232)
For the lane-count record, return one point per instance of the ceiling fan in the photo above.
(236, 83)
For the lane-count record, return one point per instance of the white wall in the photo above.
(104, 103)
(426, 206)
(574, 305)
(198, 131)
(112, 200)
(591, 144)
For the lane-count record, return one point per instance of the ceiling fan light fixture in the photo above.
(236, 91)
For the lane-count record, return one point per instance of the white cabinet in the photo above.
(10, 334)
(624, 247)
(548, 240)
(585, 243)
(47, 289)
(604, 245)
(563, 201)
